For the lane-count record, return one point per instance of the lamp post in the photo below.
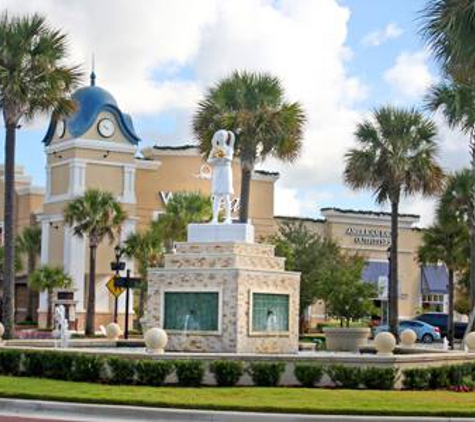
(388, 254)
(117, 266)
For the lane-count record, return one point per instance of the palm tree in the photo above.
(33, 80)
(252, 105)
(182, 209)
(96, 215)
(49, 278)
(29, 244)
(147, 249)
(396, 157)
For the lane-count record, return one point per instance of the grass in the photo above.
(283, 400)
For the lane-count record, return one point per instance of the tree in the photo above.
(29, 244)
(396, 157)
(96, 215)
(182, 209)
(346, 296)
(147, 250)
(33, 80)
(48, 278)
(306, 253)
(252, 105)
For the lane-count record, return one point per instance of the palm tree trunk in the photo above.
(450, 319)
(472, 227)
(9, 233)
(91, 296)
(30, 314)
(393, 271)
(49, 314)
(246, 175)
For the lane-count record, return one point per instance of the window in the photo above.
(270, 312)
(191, 311)
(433, 302)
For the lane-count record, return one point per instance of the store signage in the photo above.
(166, 196)
(372, 237)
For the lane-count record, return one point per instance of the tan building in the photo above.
(97, 147)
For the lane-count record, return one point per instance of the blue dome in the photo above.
(92, 100)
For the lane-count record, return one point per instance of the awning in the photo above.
(374, 270)
(434, 279)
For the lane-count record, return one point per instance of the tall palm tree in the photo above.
(47, 279)
(253, 106)
(395, 157)
(33, 80)
(29, 244)
(96, 215)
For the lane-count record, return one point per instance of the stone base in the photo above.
(215, 233)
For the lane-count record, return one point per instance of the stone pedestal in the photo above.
(242, 278)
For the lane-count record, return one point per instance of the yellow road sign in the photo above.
(115, 291)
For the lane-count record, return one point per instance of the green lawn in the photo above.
(298, 400)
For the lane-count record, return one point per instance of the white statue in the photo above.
(220, 159)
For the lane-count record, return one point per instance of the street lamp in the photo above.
(117, 266)
(388, 254)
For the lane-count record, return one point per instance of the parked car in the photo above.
(426, 333)
(439, 319)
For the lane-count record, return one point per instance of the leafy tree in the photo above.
(29, 244)
(395, 157)
(48, 278)
(96, 215)
(147, 249)
(33, 80)
(252, 105)
(346, 296)
(182, 209)
(306, 253)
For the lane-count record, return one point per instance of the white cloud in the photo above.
(410, 76)
(389, 32)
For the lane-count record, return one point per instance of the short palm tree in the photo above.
(33, 80)
(96, 215)
(29, 244)
(395, 157)
(252, 105)
(48, 278)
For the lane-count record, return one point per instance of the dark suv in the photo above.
(439, 319)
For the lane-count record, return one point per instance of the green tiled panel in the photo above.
(270, 312)
(198, 310)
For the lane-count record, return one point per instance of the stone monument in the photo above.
(220, 291)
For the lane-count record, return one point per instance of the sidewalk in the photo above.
(79, 412)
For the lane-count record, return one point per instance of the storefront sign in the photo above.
(372, 237)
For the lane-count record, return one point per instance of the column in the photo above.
(77, 178)
(48, 183)
(74, 263)
(128, 194)
(45, 228)
(128, 227)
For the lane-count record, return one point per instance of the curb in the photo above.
(91, 412)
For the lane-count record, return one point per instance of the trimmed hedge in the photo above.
(227, 372)
(439, 377)
(190, 373)
(151, 372)
(266, 374)
(309, 375)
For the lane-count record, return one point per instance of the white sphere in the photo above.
(113, 331)
(408, 337)
(385, 343)
(2, 330)
(470, 342)
(155, 340)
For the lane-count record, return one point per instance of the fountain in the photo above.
(271, 321)
(61, 327)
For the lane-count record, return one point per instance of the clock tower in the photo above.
(93, 148)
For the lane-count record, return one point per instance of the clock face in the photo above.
(60, 128)
(106, 127)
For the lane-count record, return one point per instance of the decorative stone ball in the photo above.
(2, 330)
(408, 337)
(155, 340)
(385, 343)
(113, 331)
(470, 342)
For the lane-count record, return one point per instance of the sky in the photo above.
(339, 58)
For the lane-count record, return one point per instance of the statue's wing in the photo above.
(232, 139)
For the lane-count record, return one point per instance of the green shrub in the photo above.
(227, 372)
(379, 378)
(459, 374)
(308, 375)
(416, 379)
(345, 376)
(10, 362)
(87, 368)
(440, 377)
(122, 371)
(33, 364)
(265, 374)
(150, 372)
(46, 364)
(189, 372)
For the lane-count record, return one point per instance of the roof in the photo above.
(366, 212)
(434, 279)
(296, 218)
(90, 101)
